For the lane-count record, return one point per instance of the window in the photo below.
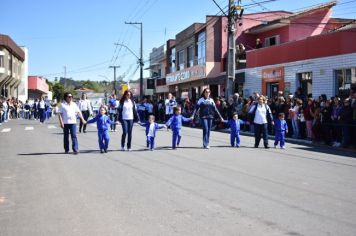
(274, 40)
(2, 63)
(345, 80)
(305, 82)
(190, 57)
(173, 60)
(201, 48)
(181, 59)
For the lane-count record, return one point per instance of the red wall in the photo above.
(325, 45)
(38, 83)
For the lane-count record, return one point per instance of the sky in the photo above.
(79, 36)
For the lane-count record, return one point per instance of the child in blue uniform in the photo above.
(235, 124)
(175, 123)
(102, 122)
(151, 127)
(281, 129)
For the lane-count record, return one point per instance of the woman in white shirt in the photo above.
(127, 116)
(261, 116)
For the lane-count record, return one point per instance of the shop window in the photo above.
(345, 80)
(305, 82)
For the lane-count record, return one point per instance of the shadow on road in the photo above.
(329, 150)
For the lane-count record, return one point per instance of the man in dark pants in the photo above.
(67, 115)
(86, 110)
(262, 116)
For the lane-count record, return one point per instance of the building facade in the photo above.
(37, 87)
(307, 49)
(12, 69)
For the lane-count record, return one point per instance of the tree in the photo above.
(58, 91)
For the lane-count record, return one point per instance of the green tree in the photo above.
(58, 91)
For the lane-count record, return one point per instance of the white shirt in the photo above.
(69, 112)
(151, 130)
(127, 110)
(84, 105)
(41, 105)
(169, 107)
(261, 114)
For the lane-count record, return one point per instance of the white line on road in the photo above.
(52, 127)
(6, 130)
(29, 128)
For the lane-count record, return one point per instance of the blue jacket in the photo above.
(147, 125)
(206, 108)
(102, 122)
(280, 125)
(234, 124)
(176, 121)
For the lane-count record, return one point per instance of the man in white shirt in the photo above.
(67, 115)
(170, 102)
(86, 110)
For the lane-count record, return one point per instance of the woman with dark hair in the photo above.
(127, 116)
(206, 107)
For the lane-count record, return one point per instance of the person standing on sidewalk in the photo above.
(67, 115)
(86, 110)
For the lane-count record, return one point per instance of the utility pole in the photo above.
(141, 57)
(230, 74)
(114, 77)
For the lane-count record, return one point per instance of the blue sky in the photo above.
(80, 34)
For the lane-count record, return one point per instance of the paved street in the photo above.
(190, 191)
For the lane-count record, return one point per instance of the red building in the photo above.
(37, 87)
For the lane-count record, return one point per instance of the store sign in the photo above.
(273, 74)
(193, 73)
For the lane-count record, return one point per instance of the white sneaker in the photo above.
(123, 149)
(283, 147)
(129, 149)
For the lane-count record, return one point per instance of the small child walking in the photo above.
(175, 122)
(235, 124)
(151, 127)
(102, 122)
(281, 129)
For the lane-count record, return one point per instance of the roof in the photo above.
(349, 26)
(9, 44)
(285, 20)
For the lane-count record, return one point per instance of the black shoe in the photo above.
(256, 146)
(267, 147)
(84, 131)
(66, 152)
(75, 153)
(101, 151)
(105, 150)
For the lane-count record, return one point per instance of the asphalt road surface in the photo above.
(302, 190)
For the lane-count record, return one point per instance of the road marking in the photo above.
(52, 127)
(6, 130)
(29, 128)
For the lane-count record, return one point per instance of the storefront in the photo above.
(187, 83)
(272, 81)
